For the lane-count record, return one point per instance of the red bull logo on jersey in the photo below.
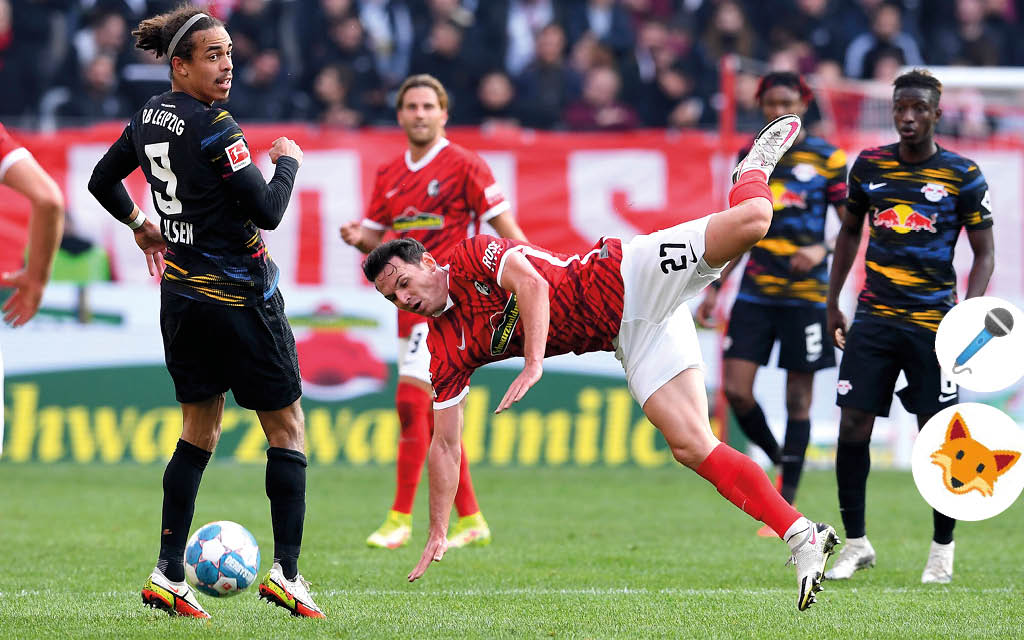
(412, 219)
(784, 198)
(902, 219)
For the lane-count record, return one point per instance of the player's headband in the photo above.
(184, 28)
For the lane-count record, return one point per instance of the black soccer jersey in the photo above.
(808, 178)
(915, 214)
(198, 166)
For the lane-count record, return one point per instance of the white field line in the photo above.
(530, 592)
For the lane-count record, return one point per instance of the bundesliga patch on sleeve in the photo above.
(238, 155)
(493, 194)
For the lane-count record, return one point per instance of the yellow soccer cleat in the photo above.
(471, 530)
(394, 533)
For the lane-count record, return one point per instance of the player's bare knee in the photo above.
(855, 426)
(740, 398)
(798, 403)
(755, 219)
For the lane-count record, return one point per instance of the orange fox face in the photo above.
(967, 465)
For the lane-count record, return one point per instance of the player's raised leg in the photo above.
(166, 588)
(286, 488)
(679, 410)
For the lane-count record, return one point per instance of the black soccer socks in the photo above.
(286, 488)
(181, 483)
(943, 524)
(755, 427)
(798, 434)
(853, 461)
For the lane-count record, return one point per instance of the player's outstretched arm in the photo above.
(507, 227)
(847, 243)
(45, 228)
(531, 291)
(443, 462)
(358, 235)
(984, 248)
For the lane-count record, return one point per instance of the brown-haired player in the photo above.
(221, 313)
(438, 193)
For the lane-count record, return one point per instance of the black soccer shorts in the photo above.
(804, 343)
(212, 348)
(876, 351)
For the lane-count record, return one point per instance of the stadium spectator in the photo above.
(641, 11)
(886, 33)
(512, 28)
(972, 40)
(816, 21)
(390, 36)
(496, 102)
(15, 68)
(143, 76)
(587, 53)
(261, 90)
(606, 19)
(347, 47)
(730, 32)
(446, 60)
(97, 98)
(332, 104)
(600, 109)
(548, 84)
(254, 28)
(106, 34)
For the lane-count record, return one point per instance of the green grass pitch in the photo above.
(577, 553)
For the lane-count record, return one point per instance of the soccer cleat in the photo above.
(939, 568)
(292, 595)
(769, 146)
(856, 554)
(810, 555)
(176, 598)
(471, 530)
(394, 533)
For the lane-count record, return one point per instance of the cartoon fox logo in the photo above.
(967, 465)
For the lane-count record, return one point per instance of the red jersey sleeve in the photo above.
(482, 191)
(450, 381)
(377, 215)
(481, 257)
(10, 152)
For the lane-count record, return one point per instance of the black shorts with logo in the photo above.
(211, 348)
(876, 351)
(801, 331)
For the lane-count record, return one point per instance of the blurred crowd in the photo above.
(548, 64)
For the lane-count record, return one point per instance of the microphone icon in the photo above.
(998, 323)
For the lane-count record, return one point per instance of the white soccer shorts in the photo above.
(413, 355)
(657, 339)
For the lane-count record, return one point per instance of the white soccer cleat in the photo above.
(292, 595)
(811, 549)
(769, 146)
(856, 554)
(176, 598)
(939, 568)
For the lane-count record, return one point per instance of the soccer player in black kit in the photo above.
(221, 314)
(916, 197)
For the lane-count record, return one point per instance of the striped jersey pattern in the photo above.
(439, 200)
(810, 177)
(914, 213)
(481, 323)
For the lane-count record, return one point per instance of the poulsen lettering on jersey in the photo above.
(238, 155)
(178, 231)
(902, 219)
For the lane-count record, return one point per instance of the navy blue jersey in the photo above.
(915, 214)
(810, 177)
(190, 153)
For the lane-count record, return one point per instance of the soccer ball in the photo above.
(222, 558)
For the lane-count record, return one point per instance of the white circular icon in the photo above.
(980, 344)
(966, 461)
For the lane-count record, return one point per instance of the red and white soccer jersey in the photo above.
(10, 152)
(480, 323)
(439, 200)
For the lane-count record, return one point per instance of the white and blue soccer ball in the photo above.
(222, 559)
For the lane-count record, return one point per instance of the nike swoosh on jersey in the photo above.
(391, 194)
(462, 346)
(946, 398)
(876, 185)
